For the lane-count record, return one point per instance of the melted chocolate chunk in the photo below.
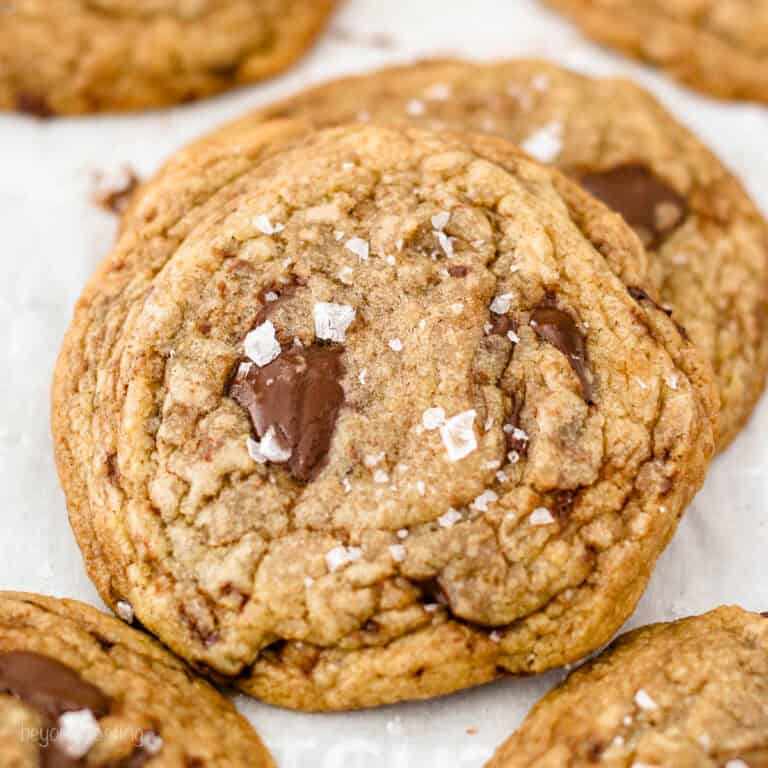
(560, 330)
(52, 689)
(648, 204)
(32, 104)
(458, 270)
(298, 395)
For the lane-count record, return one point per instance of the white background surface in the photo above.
(52, 236)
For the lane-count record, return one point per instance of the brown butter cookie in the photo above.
(366, 414)
(717, 47)
(79, 687)
(75, 56)
(707, 241)
(690, 694)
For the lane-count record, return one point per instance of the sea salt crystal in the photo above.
(332, 320)
(261, 344)
(445, 243)
(358, 246)
(265, 226)
(345, 275)
(151, 742)
(269, 449)
(395, 345)
(480, 504)
(449, 519)
(432, 418)
(513, 337)
(78, 732)
(380, 476)
(644, 701)
(541, 516)
(458, 435)
(501, 304)
(546, 143)
(439, 220)
(398, 552)
(125, 611)
(415, 107)
(341, 555)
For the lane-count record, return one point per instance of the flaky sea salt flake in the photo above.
(541, 516)
(261, 344)
(546, 143)
(332, 320)
(265, 226)
(458, 434)
(359, 247)
(78, 732)
(449, 519)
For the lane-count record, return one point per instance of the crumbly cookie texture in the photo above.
(690, 694)
(707, 241)
(716, 47)
(366, 414)
(79, 687)
(75, 56)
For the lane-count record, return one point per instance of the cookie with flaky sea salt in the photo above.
(75, 56)
(690, 694)
(717, 47)
(80, 688)
(707, 241)
(366, 414)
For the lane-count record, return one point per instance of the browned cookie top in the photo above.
(707, 242)
(716, 46)
(691, 694)
(78, 687)
(73, 56)
(366, 414)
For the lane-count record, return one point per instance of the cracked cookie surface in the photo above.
(75, 56)
(80, 687)
(707, 241)
(689, 694)
(366, 414)
(717, 47)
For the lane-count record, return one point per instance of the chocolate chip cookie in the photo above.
(78, 687)
(691, 694)
(717, 47)
(707, 240)
(366, 414)
(74, 56)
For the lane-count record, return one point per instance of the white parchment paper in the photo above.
(52, 236)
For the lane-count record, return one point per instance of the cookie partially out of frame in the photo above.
(717, 47)
(367, 414)
(75, 56)
(707, 241)
(78, 687)
(690, 694)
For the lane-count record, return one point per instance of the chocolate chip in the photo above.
(458, 270)
(32, 104)
(648, 204)
(560, 330)
(764, 614)
(500, 324)
(299, 396)
(52, 688)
